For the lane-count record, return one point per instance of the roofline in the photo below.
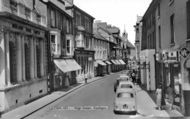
(151, 6)
(75, 7)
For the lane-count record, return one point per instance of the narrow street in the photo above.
(95, 101)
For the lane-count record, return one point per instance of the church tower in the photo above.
(125, 35)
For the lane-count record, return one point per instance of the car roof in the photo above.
(123, 75)
(126, 82)
(126, 90)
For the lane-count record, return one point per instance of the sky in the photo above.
(119, 13)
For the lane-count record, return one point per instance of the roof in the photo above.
(98, 36)
(152, 6)
(79, 9)
(113, 29)
(127, 43)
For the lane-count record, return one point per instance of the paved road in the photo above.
(93, 101)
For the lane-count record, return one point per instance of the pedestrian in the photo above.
(86, 78)
(170, 97)
(158, 97)
(133, 76)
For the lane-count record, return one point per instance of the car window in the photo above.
(126, 86)
(125, 95)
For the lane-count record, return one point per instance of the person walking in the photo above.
(158, 97)
(170, 97)
(86, 78)
(133, 76)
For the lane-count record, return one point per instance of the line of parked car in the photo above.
(125, 95)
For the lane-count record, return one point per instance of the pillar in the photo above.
(2, 60)
(8, 82)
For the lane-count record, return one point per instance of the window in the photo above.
(78, 19)
(27, 48)
(68, 46)
(125, 95)
(171, 2)
(27, 13)
(13, 6)
(13, 58)
(159, 35)
(38, 18)
(38, 57)
(159, 10)
(52, 18)
(83, 21)
(188, 18)
(172, 29)
(63, 22)
(87, 41)
(68, 23)
(53, 44)
(58, 22)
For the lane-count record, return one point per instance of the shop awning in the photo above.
(73, 64)
(122, 62)
(101, 62)
(62, 65)
(113, 61)
(108, 62)
(118, 62)
(67, 65)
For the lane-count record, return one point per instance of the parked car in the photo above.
(121, 84)
(122, 77)
(125, 102)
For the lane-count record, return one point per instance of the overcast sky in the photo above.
(119, 13)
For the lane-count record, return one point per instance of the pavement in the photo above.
(172, 113)
(30, 108)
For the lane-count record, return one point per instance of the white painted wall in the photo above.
(149, 77)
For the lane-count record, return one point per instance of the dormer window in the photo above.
(13, 5)
(38, 18)
(171, 2)
(28, 13)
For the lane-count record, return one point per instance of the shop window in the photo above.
(38, 59)
(13, 59)
(39, 56)
(27, 48)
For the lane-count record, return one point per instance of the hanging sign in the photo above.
(184, 52)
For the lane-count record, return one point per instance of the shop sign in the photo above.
(170, 56)
(184, 52)
(158, 57)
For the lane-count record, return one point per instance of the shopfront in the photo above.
(85, 58)
(101, 68)
(65, 73)
(108, 66)
(172, 76)
(114, 66)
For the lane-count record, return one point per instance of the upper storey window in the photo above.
(13, 6)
